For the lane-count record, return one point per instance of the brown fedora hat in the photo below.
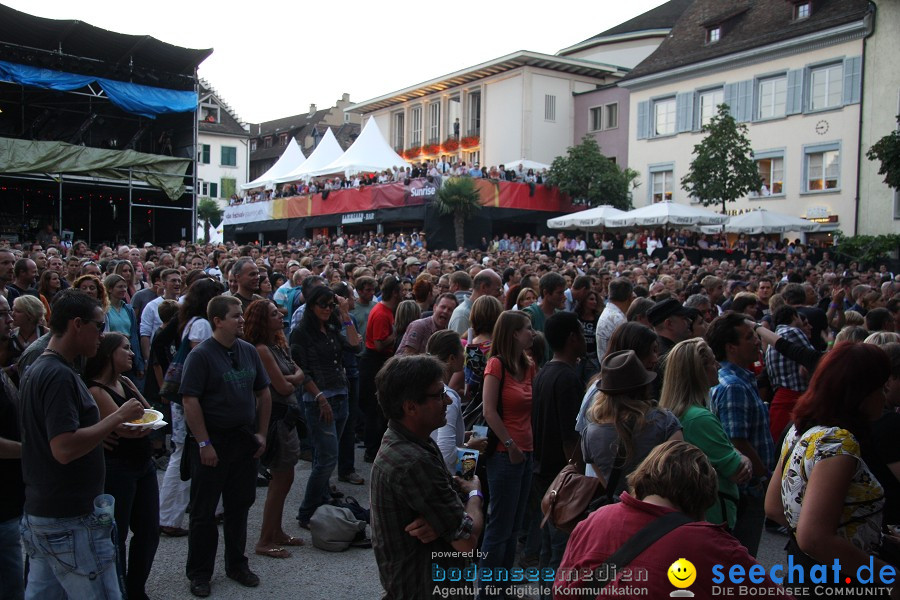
(623, 372)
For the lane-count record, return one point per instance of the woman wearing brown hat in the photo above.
(624, 423)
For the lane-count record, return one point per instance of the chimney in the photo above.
(312, 109)
(345, 97)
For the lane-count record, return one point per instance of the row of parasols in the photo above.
(672, 214)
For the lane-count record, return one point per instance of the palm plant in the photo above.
(210, 214)
(458, 196)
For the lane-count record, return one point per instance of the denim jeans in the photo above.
(72, 557)
(347, 448)
(751, 517)
(12, 578)
(325, 439)
(510, 487)
(136, 491)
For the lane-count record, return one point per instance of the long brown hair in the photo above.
(503, 344)
(256, 325)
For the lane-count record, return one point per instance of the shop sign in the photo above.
(357, 217)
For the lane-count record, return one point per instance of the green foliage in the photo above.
(588, 176)
(867, 248)
(209, 213)
(723, 169)
(229, 187)
(887, 150)
(458, 196)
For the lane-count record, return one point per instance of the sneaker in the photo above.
(200, 588)
(352, 477)
(245, 577)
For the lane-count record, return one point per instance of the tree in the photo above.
(724, 169)
(887, 150)
(459, 197)
(209, 213)
(589, 177)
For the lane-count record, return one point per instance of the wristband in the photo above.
(319, 394)
(348, 323)
(204, 443)
(833, 305)
(474, 493)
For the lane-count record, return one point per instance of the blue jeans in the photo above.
(12, 578)
(136, 491)
(325, 439)
(510, 486)
(72, 557)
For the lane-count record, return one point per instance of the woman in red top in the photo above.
(507, 410)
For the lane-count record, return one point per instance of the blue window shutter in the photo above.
(852, 79)
(643, 120)
(794, 103)
(684, 111)
(744, 111)
(730, 97)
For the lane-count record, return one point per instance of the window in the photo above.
(229, 156)
(267, 142)
(228, 187)
(826, 87)
(346, 117)
(252, 145)
(434, 123)
(713, 34)
(802, 10)
(398, 129)
(664, 117)
(415, 133)
(472, 158)
(209, 110)
(772, 97)
(283, 139)
(771, 170)
(709, 103)
(210, 190)
(661, 185)
(474, 114)
(823, 169)
(605, 117)
(549, 107)
(203, 154)
(897, 204)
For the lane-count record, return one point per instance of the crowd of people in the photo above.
(433, 171)
(748, 393)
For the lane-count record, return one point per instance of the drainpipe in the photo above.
(862, 98)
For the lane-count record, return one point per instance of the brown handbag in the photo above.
(572, 495)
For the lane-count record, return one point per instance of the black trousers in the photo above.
(369, 365)
(234, 479)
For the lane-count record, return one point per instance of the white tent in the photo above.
(370, 153)
(593, 218)
(526, 164)
(325, 153)
(668, 213)
(290, 159)
(765, 221)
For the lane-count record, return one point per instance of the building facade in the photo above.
(223, 142)
(791, 71)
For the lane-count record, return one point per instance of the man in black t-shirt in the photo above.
(227, 404)
(556, 400)
(62, 459)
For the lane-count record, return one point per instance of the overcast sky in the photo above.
(272, 59)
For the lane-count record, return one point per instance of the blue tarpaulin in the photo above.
(137, 99)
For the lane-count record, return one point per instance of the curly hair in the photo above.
(256, 325)
(101, 289)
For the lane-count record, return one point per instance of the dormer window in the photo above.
(802, 10)
(267, 142)
(283, 139)
(713, 34)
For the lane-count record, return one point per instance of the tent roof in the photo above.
(291, 158)
(592, 218)
(369, 153)
(766, 221)
(526, 164)
(325, 153)
(672, 213)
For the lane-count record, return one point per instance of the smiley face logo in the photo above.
(682, 573)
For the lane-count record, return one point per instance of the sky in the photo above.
(273, 59)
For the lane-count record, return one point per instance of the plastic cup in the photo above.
(104, 508)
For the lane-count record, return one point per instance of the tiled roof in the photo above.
(663, 16)
(757, 23)
(229, 123)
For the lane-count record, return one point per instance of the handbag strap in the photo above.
(616, 473)
(643, 539)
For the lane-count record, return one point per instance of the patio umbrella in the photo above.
(766, 221)
(588, 220)
(668, 213)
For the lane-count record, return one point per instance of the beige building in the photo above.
(879, 205)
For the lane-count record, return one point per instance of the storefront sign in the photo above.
(357, 217)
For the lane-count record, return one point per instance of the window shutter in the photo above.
(745, 91)
(643, 122)
(730, 97)
(684, 111)
(794, 103)
(852, 79)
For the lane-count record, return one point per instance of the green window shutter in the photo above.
(643, 120)
(229, 156)
(213, 190)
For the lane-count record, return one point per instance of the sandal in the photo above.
(274, 552)
(292, 541)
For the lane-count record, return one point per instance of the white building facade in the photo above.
(222, 148)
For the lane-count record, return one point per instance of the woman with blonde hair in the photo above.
(507, 393)
(691, 370)
(407, 312)
(134, 284)
(880, 338)
(27, 315)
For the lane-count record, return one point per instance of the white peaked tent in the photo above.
(526, 164)
(668, 213)
(325, 153)
(370, 153)
(290, 159)
(765, 221)
(592, 218)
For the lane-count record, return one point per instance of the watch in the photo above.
(508, 442)
(204, 443)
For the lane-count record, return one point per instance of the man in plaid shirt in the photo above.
(424, 521)
(744, 417)
(788, 378)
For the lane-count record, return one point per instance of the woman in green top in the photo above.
(691, 369)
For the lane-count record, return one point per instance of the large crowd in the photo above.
(737, 395)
